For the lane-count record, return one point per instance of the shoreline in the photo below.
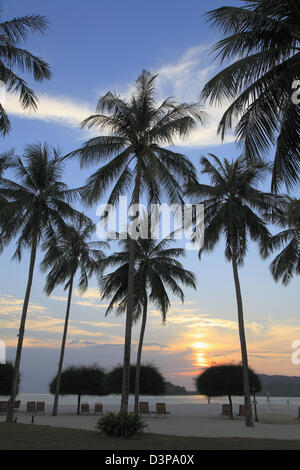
(197, 420)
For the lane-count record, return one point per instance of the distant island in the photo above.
(274, 385)
(280, 385)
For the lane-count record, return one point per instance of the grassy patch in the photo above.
(34, 437)
(273, 418)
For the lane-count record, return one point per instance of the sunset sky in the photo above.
(94, 47)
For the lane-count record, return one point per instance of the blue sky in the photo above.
(94, 47)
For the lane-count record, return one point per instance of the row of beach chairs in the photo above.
(31, 407)
(160, 409)
(85, 408)
(143, 409)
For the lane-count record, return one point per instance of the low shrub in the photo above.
(121, 424)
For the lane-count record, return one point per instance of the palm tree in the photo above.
(287, 263)
(261, 40)
(12, 33)
(137, 128)
(232, 206)
(156, 269)
(68, 252)
(36, 198)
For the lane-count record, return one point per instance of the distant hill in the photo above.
(280, 385)
(171, 389)
(275, 385)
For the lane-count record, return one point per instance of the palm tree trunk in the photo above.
(230, 404)
(15, 380)
(128, 324)
(62, 351)
(138, 359)
(248, 408)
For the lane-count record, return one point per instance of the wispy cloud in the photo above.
(183, 79)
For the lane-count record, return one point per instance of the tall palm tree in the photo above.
(137, 128)
(13, 32)
(261, 40)
(36, 198)
(287, 263)
(157, 269)
(68, 252)
(232, 208)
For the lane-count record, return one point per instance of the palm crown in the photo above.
(262, 38)
(138, 129)
(287, 263)
(233, 205)
(11, 34)
(68, 251)
(37, 199)
(157, 269)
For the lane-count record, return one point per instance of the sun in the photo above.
(199, 354)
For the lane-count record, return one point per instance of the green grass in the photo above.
(278, 419)
(34, 437)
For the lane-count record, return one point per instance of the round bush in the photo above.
(121, 424)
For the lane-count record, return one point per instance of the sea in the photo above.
(168, 399)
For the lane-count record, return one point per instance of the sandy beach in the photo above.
(203, 420)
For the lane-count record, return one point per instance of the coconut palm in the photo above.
(287, 263)
(68, 252)
(36, 198)
(137, 128)
(261, 41)
(13, 32)
(232, 208)
(157, 269)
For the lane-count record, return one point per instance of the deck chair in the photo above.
(161, 410)
(4, 406)
(84, 408)
(226, 411)
(98, 408)
(30, 407)
(40, 407)
(144, 408)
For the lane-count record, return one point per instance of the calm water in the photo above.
(168, 399)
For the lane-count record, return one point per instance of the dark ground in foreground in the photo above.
(17, 436)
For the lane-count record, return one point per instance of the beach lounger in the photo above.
(84, 408)
(161, 410)
(30, 408)
(226, 411)
(4, 406)
(144, 408)
(17, 405)
(98, 408)
(40, 407)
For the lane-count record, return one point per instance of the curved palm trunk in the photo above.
(138, 359)
(128, 324)
(14, 387)
(62, 351)
(248, 408)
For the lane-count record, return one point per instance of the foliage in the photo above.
(157, 269)
(80, 380)
(36, 196)
(6, 378)
(287, 263)
(261, 44)
(14, 32)
(68, 250)
(121, 424)
(227, 379)
(151, 381)
(234, 207)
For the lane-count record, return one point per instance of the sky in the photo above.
(93, 47)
